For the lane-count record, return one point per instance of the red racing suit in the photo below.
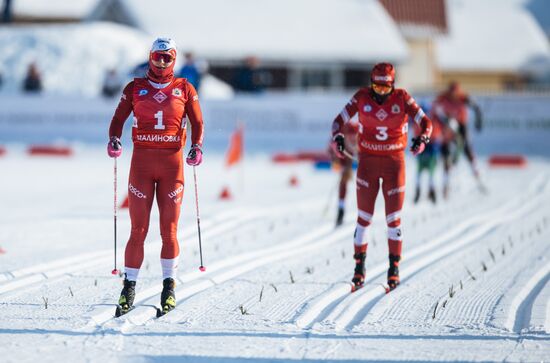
(382, 139)
(159, 134)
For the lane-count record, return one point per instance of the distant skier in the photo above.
(382, 138)
(427, 161)
(450, 108)
(345, 164)
(159, 102)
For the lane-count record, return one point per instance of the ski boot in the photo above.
(126, 299)
(417, 195)
(393, 272)
(431, 195)
(340, 217)
(167, 297)
(359, 274)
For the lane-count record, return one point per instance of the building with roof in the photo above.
(490, 45)
(420, 22)
(304, 44)
(51, 11)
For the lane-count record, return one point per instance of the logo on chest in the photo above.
(395, 109)
(143, 92)
(367, 108)
(381, 114)
(159, 97)
(176, 92)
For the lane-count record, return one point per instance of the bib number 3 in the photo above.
(382, 133)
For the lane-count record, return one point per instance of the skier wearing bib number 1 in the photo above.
(159, 103)
(383, 113)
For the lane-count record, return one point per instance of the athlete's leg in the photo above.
(446, 156)
(169, 198)
(141, 186)
(345, 176)
(393, 187)
(368, 183)
(468, 150)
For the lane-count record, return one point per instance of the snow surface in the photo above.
(490, 35)
(57, 236)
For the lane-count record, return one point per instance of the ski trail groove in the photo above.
(226, 270)
(520, 312)
(349, 308)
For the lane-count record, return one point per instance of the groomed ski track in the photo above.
(277, 281)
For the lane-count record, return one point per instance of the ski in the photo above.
(162, 312)
(120, 311)
(388, 288)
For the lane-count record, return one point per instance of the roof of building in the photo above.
(490, 35)
(40, 9)
(418, 17)
(346, 31)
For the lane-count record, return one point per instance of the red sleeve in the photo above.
(194, 113)
(122, 111)
(345, 115)
(417, 114)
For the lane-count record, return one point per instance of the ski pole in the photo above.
(115, 270)
(201, 267)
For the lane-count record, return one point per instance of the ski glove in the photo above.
(339, 145)
(419, 144)
(194, 157)
(114, 147)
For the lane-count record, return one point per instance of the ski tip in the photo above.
(355, 288)
(202, 268)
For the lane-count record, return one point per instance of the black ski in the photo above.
(120, 311)
(162, 312)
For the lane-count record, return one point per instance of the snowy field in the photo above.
(475, 275)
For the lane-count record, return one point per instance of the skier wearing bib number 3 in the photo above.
(159, 103)
(383, 113)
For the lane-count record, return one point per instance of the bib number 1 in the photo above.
(159, 125)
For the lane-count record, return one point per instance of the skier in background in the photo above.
(159, 102)
(190, 71)
(427, 161)
(450, 109)
(345, 166)
(382, 138)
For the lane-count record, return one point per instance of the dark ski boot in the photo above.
(431, 195)
(417, 195)
(126, 299)
(393, 272)
(359, 273)
(167, 297)
(340, 217)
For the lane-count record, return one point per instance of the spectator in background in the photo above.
(250, 78)
(33, 80)
(191, 71)
(111, 84)
(140, 70)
